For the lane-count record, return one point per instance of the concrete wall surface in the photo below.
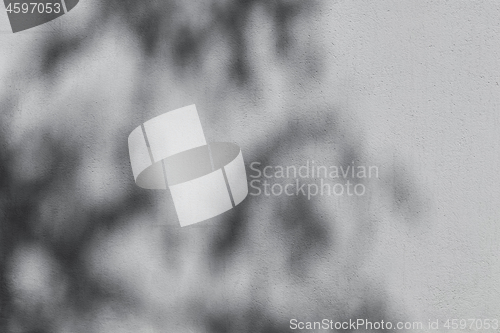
(410, 88)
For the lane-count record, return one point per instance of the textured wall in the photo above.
(409, 87)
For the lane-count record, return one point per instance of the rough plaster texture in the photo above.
(411, 87)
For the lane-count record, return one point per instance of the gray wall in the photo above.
(409, 87)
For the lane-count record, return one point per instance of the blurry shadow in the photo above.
(180, 44)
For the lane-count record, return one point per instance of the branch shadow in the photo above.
(311, 235)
